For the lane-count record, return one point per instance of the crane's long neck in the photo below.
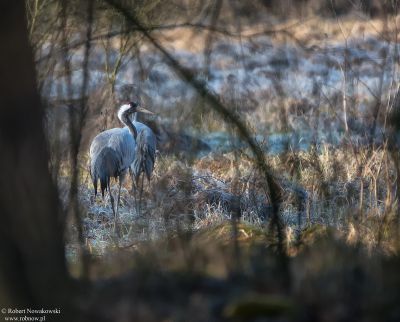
(124, 115)
(131, 127)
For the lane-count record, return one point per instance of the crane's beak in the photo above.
(143, 110)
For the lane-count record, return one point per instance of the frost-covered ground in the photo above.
(253, 76)
(251, 67)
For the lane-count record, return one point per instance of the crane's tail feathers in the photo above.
(104, 166)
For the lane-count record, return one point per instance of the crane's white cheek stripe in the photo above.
(122, 110)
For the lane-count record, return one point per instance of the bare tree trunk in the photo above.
(32, 259)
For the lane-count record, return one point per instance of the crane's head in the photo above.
(127, 109)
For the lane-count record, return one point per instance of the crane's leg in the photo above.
(133, 180)
(135, 191)
(120, 179)
(112, 205)
(141, 193)
(116, 227)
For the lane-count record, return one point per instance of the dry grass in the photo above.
(309, 31)
(200, 200)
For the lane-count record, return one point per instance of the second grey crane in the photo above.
(145, 150)
(113, 151)
(143, 163)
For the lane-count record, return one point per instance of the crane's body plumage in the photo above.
(111, 153)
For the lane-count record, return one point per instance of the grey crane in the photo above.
(113, 151)
(143, 163)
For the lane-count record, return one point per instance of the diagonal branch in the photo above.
(185, 74)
